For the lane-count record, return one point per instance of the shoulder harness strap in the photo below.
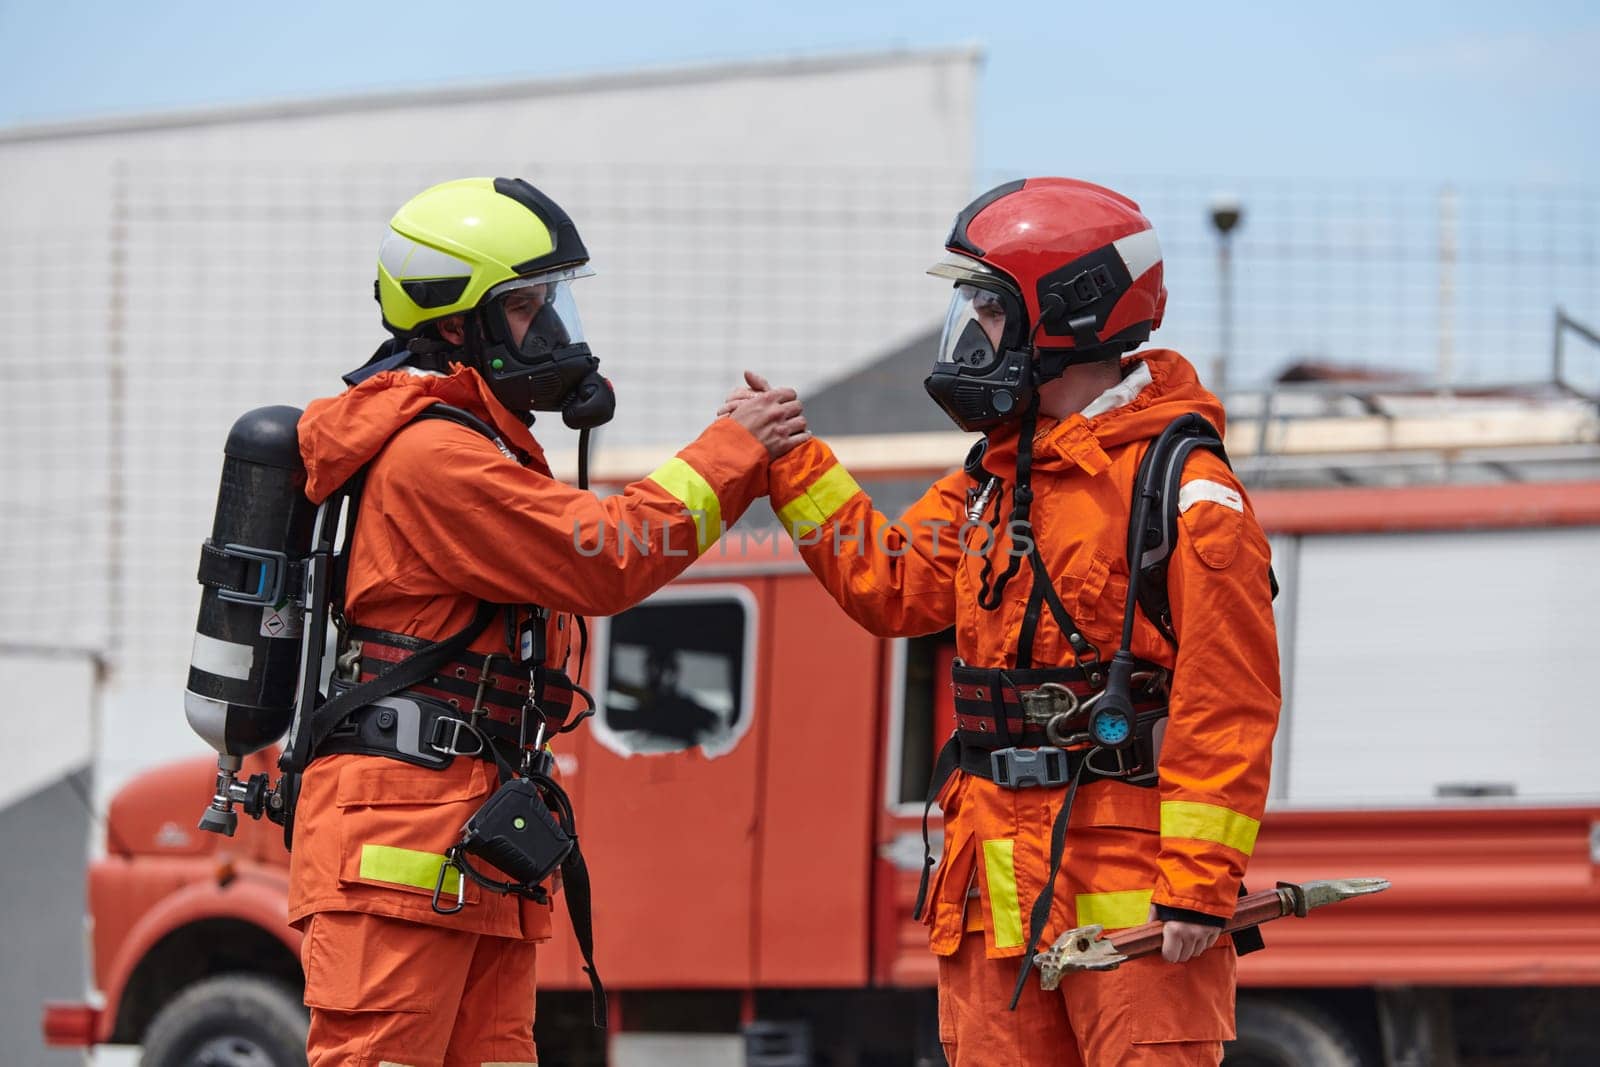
(1159, 480)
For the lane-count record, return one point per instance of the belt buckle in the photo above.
(1045, 703)
(1054, 706)
(1028, 768)
(457, 727)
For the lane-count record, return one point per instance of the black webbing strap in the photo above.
(1021, 504)
(1041, 904)
(1030, 624)
(221, 569)
(405, 674)
(1044, 591)
(943, 768)
(575, 880)
(575, 883)
(1249, 939)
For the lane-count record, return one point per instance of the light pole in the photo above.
(1226, 214)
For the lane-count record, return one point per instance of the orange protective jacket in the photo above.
(448, 520)
(1184, 844)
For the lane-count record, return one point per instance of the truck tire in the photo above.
(1285, 1033)
(232, 1020)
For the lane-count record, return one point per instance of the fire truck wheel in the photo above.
(1281, 1033)
(232, 1020)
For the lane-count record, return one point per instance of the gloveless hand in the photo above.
(1181, 941)
(775, 417)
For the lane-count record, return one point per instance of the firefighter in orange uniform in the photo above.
(460, 521)
(1025, 553)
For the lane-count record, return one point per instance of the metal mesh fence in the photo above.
(1450, 285)
(217, 287)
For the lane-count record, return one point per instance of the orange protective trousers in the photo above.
(386, 991)
(1146, 1013)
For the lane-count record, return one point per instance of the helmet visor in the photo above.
(539, 313)
(974, 327)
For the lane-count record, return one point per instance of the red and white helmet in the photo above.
(1082, 262)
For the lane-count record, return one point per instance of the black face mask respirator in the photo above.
(974, 381)
(982, 388)
(546, 371)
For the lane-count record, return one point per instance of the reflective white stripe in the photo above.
(228, 659)
(1139, 251)
(1200, 489)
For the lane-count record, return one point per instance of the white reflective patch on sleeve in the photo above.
(1139, 251)
(227, 659)
(1200, 489)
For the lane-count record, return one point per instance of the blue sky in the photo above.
(1464, 92)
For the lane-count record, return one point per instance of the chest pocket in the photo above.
(1094, 593)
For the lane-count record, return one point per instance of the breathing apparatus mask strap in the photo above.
(1021, 505)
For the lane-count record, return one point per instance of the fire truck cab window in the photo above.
(675, 676)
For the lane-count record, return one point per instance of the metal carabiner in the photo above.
(536, 751)
(451, 862)
(1122, 763)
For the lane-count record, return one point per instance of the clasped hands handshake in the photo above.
(775, 417)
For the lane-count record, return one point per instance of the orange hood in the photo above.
(1174, 390)
(341, 434)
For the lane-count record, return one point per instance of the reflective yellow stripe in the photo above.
(1208, 822)
(696, 494)
(404, 866)
(1003, 909)
(1114, 911)
(821, 499)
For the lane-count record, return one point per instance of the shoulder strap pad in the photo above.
(1159, 479)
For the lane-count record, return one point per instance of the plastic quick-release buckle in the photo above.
(1028, 768)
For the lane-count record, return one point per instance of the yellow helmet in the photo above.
(462, 248)
(451, 244)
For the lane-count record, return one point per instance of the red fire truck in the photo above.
(750, 799)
